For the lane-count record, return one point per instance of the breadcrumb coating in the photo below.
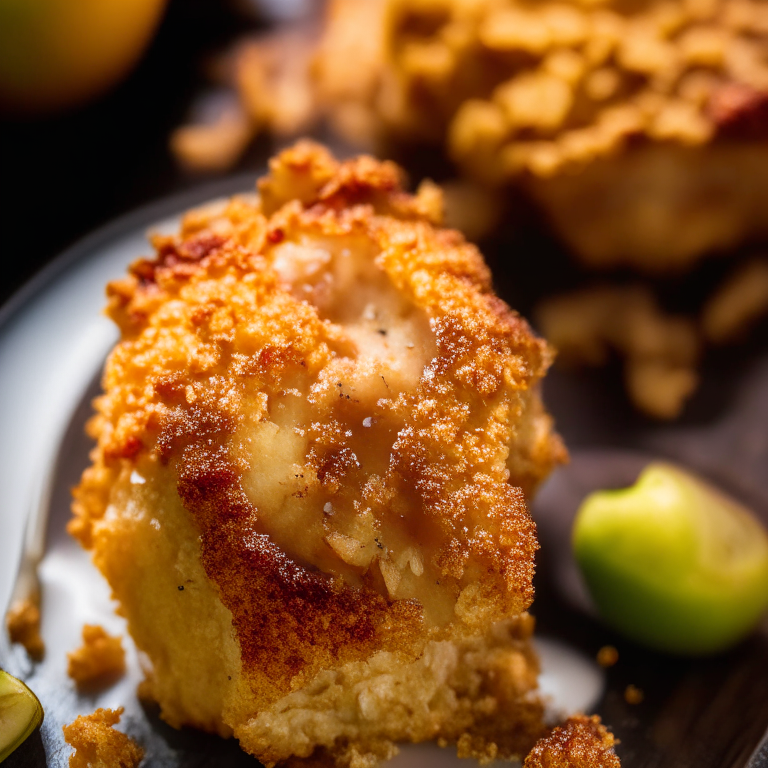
(313, 451)
(99, 661)
(98, 745)
(581, 742)
(637, 126)
(23, 624)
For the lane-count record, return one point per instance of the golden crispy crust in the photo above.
(638, 127)
(581, 742)
(222, 332)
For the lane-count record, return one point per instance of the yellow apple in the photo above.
(672, 562)
(20, 713)
(58, 53)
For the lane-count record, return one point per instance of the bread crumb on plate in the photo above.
(99, 662)
(23, 624)
(98, 745)
(581, 742)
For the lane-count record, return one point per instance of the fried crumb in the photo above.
(639, 128)
(607, 656)
(581, 742)
(660, 351)
(633, 694)
(213, 146)
(271, 75)
(98, 745)
(659, 388)
(737, 304)
(23, 623)
(99, 661)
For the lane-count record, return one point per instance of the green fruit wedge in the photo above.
(673, 563)
(20, 713)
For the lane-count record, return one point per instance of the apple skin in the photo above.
(673, 563)
(56, 54)
(20, 714)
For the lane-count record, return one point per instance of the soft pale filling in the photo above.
(147, 546)
(335, 528)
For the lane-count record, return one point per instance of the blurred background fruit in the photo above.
(672, 562)
(59, 53)
(20, 713)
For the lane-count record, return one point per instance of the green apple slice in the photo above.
(20, 713)
(672, 562)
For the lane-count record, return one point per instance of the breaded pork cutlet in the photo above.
(308, 493)
(639, 126)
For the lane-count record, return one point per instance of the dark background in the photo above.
(64, 175)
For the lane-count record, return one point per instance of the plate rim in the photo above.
(141, 215)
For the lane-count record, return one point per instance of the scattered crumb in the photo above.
(659, 388)
(660, 350)
(581, 742)
(607, 656)
(633, 694)
(271, 75)
(98, 745)
(99, 661)
(23, 622)
(739, 302)
(213, 146)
